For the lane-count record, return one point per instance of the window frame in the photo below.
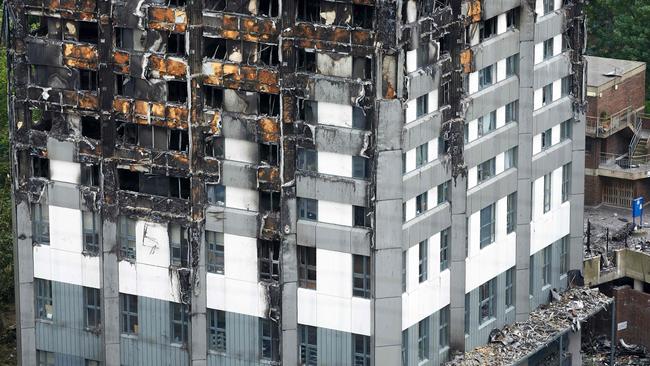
(126, 238)
(491, 125)
(512, 111)
(486, 170)
(564, 255)
(40, 224)
(509, 291)
(424, 329)
(445, 240)
(421, 203)
(487, 229)
(94, 232)
(269, 340)
(92, 308)
(179, 317)
(547, 192)
(181, 246)
(215, 252)
(511, 212)
(43, 299)
(365, 289)
(216, 194)
(566, 182)
(45, 358)
(422, 106)
(306, 268)
(217, 334)
(547, 258)
(129, 319)
(443, 327)
(423, 260)
(308, 351)
(307, 209)
(547, 139)
(421, 155)
(547, 46)
(360, 357)
(487, 301)
(486, 77)
(268, 260)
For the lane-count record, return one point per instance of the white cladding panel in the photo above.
(334, 114)
(65, 171)
(335, 213)
(242, 198)
(241, 150)
(335, 164)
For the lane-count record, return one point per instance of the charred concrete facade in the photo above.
(290, 181)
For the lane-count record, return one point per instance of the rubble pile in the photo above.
(598, 352)
(610, 229)
(515, 342)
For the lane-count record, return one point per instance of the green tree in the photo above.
(6, 233)
(620, 29)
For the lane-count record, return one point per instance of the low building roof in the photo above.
(601, 70)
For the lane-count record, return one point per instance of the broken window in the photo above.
(129, 181)
(443, 145)
(307, 110)
(485, 77)
(215, 5)
(307, 209)
(126, 238)
(424, 57)
(547, 94)
(179, 251)
(124, 85)
(91, 223)
(361, 216)
(41, 120)
(92, 307)
(40, 224)
(268, 259)
(176, 91)
(487, 227)
(362, 68)
(359, 118)
(422, 106)
(179, 187)
(308, 11)
(152, 137)
(129, 312)
(88, 80)
(214, 147)
(127, 133)
(90, 175)
(87, 32)
(269, 104)
(512, 18)
(307, 267)
(566, 85)
(214, 48)
(423, 340)
(443, 192)
(41, 167)
(308, 345)
(487, 28)
(123, 37)
(510, 295)
(178, 140)
(176, 3)
(180, 319)
(44, 303)
(360, 167)
(307, 159)
(269, 154)
(547, 138)
(362, 16)
(486, 170)
(423, 260)
(215, 262)
(446, 93)
(269, 340)
(548, 48)
(444, 249)
(269, 201)
(511, 212)
(270, 8)
(216, 194)
(217, 330)
(305, 60)
(421, 203)
(176, 44)
(213, 96)
(361, 276)
(487, 303)
(487, 123)
(512, 65)
(37, 25)
(361, 350)
(91, 127)
(443, 330)
(268, 54)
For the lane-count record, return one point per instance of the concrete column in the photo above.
(24, 283)
(289, 283)
(198, 338)
(457, 265)
(110, 291)
(575, 344)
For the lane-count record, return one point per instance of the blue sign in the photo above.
(637, 207)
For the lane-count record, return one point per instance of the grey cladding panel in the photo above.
(60, 150)
(63, 195)
(332, 188)
(549, 26)
(551, 70)
(421, 83)
(240, 175)
(389, 175)
(492, 190)
(389, 124)
(421, 131)
(334, 347)
(491, 145)
(492, 98)
(551, 159)
(340, 140)
(423, 179)
(493, 8)
(496, 49)
(551, 115)
(426, 225)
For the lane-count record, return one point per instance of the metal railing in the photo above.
(623, 162)
(603, 126)
(635, 139)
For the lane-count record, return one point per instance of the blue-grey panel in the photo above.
(334, 347)
(242, 342)
(437, 355)
(152, 346)
(66, 334)
(62, 359)
(558, 281)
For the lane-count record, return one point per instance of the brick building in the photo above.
(616, 147)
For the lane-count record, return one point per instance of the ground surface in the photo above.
(7, 335)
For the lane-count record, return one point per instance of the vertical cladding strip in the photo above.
(524, 161)
(197, 286)
(109, 278)
(454, 127)
(289, 274)
(23, 252)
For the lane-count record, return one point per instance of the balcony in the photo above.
(605, 126)
(620, 166)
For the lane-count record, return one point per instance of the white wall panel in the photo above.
(335, 213)
(490, 261)
(473, 82)
(539, 52)
(242, 198)
(557, 89)
(411, 110)
(335, 164)
(472, 177)
(502, 23)
(432, 103)
(411, 60)
(410, 160)
(65, 171)
(557, 44)
(537, 144)
(472, 133)
(538, 99)
(335, 114)
(340, 67)
(241, 150)
(550, 227)
(501, 116)
(501, 70)
(499, 163)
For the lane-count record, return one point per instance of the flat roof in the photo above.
(601, 70)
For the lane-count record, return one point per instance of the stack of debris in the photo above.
(598, 352)
(516, 342)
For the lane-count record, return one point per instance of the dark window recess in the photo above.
(129, 181)
(307, 267)
(214, 48)
(268, 259)
(362, 16)
(87, 80)
(87, 32)
(153, 137)
(177, 91)
(216, 194)
(307, 159)
(213, 96)
(488, 28)
(361, 276)
(269, 154)
(360, 167)
(37, 26)
(92, 305)
(41, 121)
(91, 127)
(180, 319)
(124, 85)
(176, 44)
(179, 187)
(123, 38)
(307, 110)
(41, 167)
(305, 60)
(91, 227)
(270, 8)
(178, 140)
(127, 133)
(179, 246)
(215, 5)
(90, 175)
(269, 104)
(269, 340)
(512, 18)
(269, 201)
(268, 54)
(307, 209)
(308, 11)
(214, 146)
(359, 118)
(177, 2)
(362, 68)
(361, 216)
